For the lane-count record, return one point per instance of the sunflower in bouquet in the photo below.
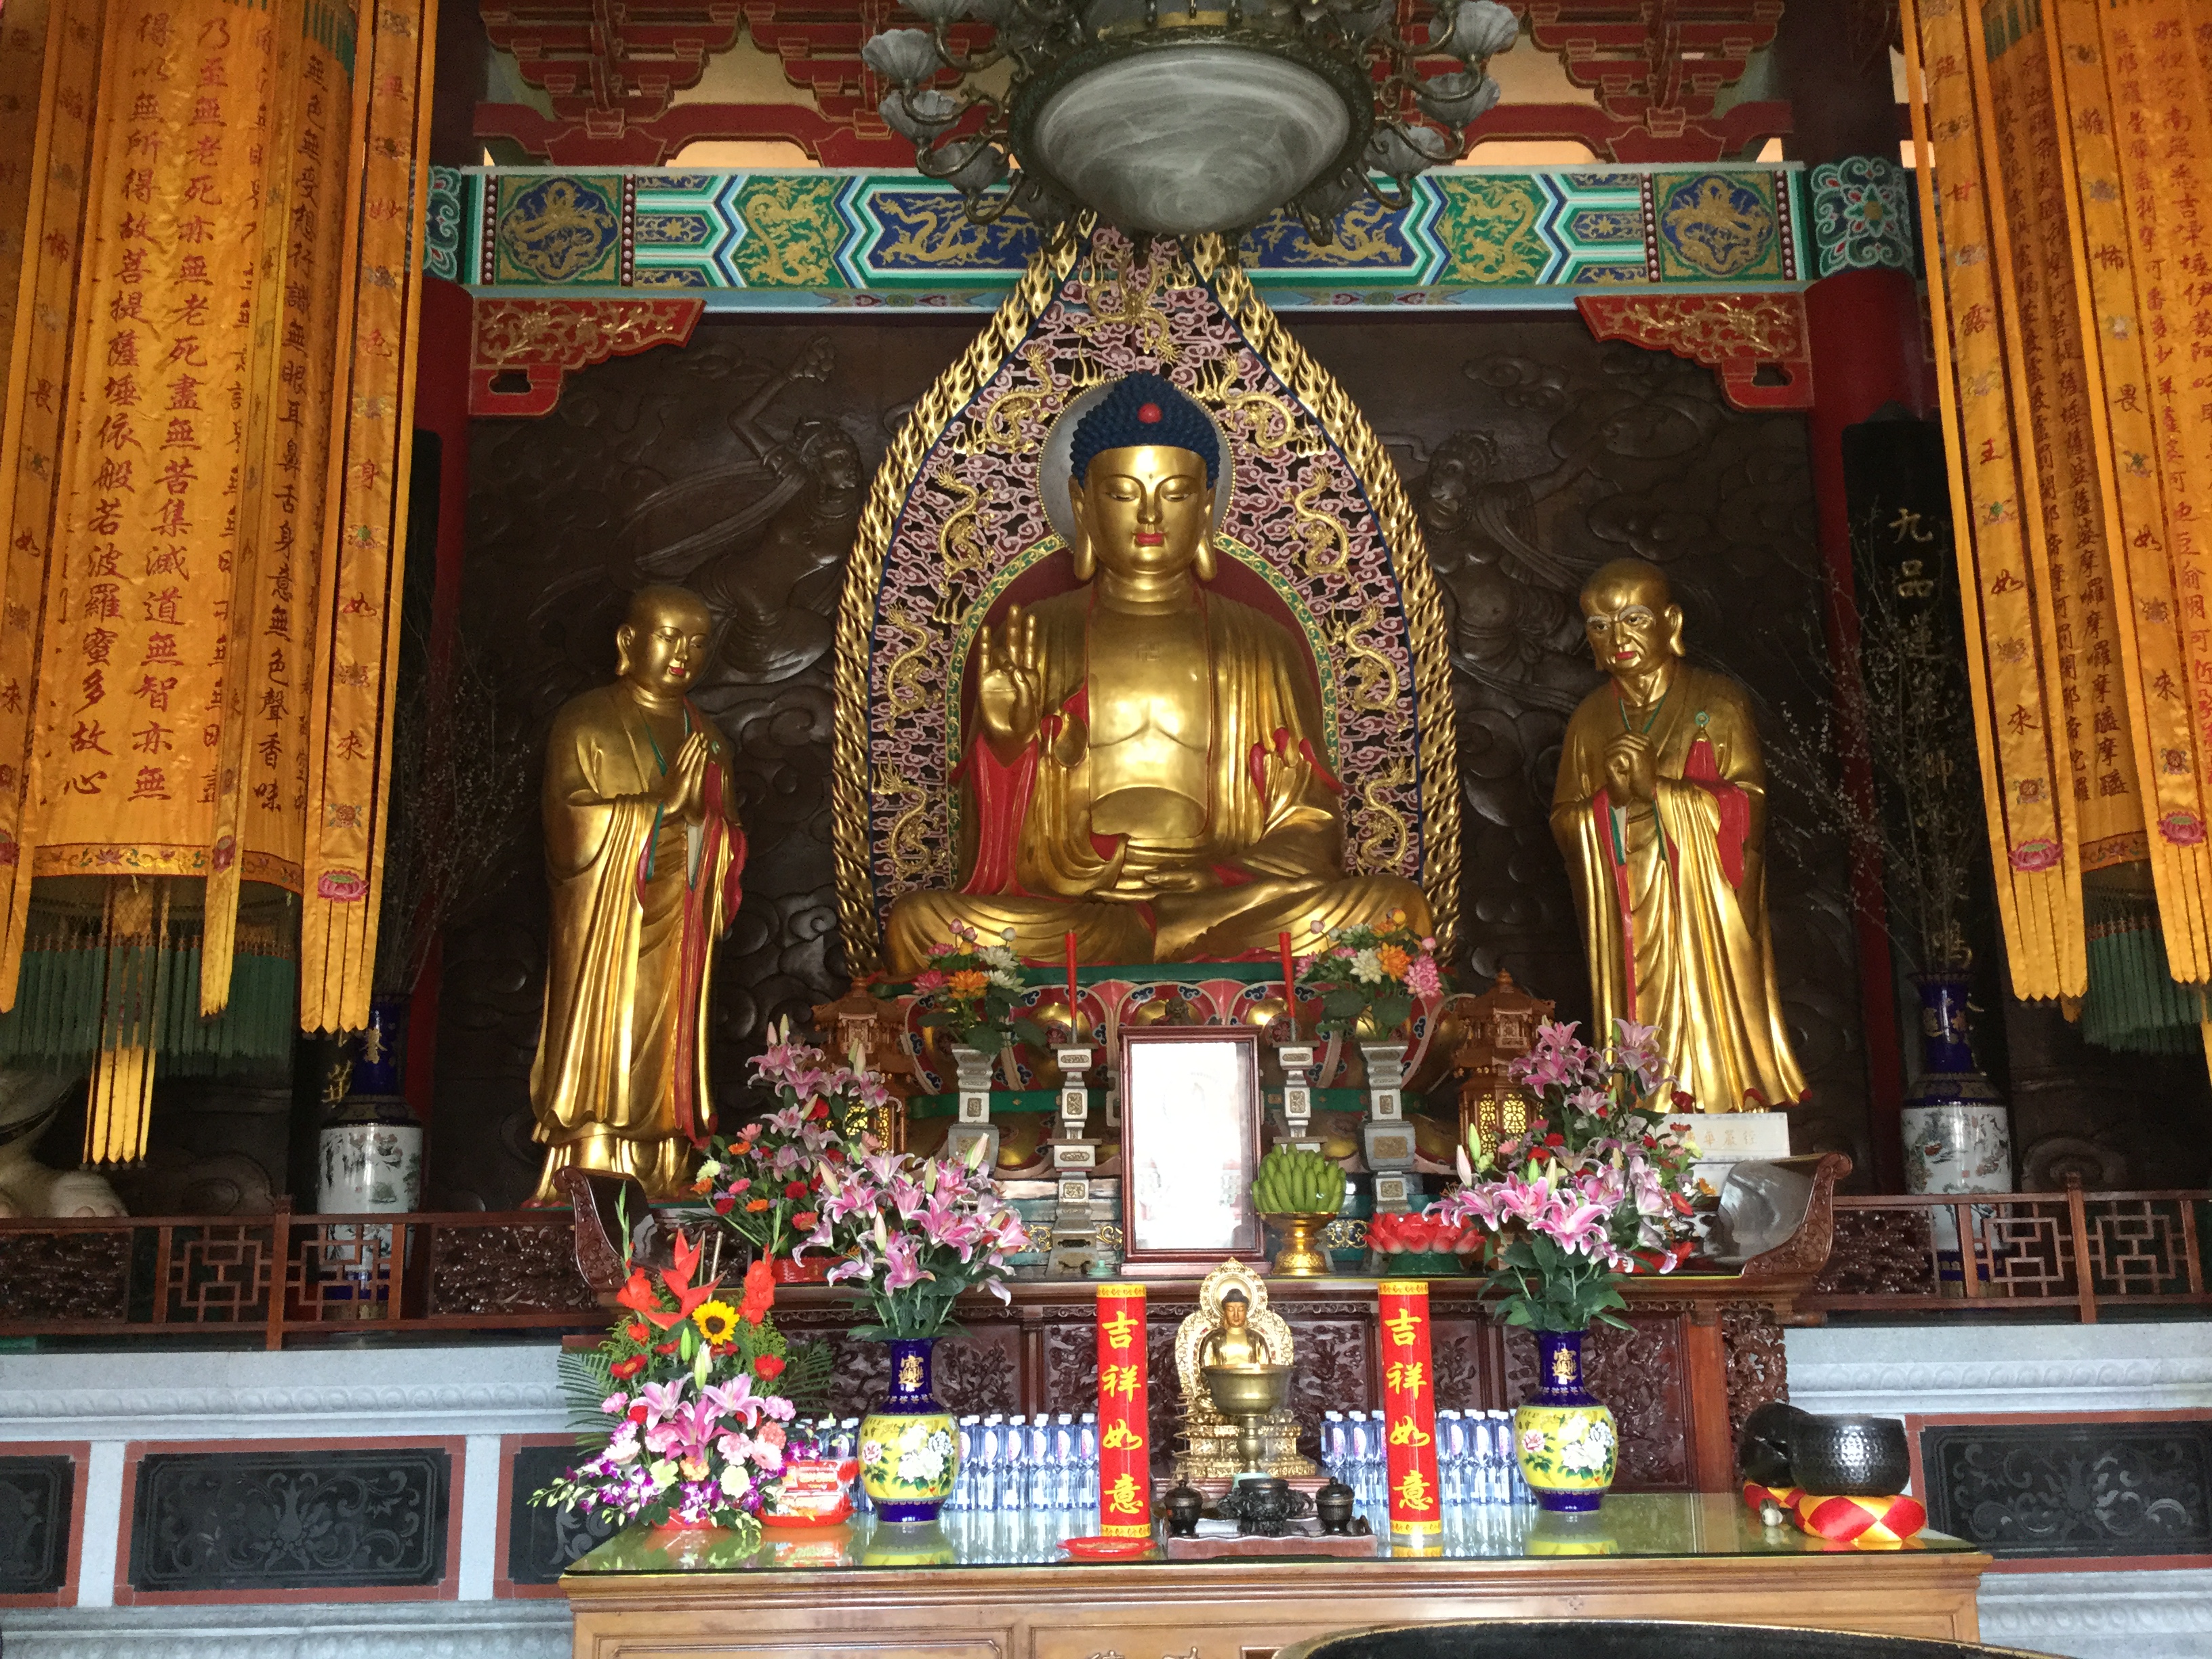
(687, 1402)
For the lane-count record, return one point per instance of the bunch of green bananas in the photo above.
(1295, 1182)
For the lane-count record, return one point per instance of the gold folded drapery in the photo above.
(207, 392)
(2062, 146)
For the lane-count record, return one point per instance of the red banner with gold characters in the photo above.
(1125, 1460)
(1409, 1410)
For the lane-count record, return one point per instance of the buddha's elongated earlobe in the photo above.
(1086, 559)
(1203, 565)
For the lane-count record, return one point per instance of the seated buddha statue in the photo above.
(1232, 1326)
(1233, 1344)
(1145, 757)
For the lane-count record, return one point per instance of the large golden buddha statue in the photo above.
(1661, 809)
(1145, 763)
(644, 853)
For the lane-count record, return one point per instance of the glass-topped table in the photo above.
(998, 1587)
(1631, 1524)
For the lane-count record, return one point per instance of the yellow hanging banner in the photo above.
(358, 593)
(2012, 637)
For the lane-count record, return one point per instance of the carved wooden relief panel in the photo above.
(734, 464)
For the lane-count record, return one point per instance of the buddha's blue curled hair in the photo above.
(1145, 409)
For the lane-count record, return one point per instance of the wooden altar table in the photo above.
(1682, 1557)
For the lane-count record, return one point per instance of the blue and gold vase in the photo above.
(908, 1451)
(1563, 1438)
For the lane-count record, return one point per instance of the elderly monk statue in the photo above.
(1145, 765)
(1661, 809)
(643, 852)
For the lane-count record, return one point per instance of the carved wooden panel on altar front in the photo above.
(1535, 452)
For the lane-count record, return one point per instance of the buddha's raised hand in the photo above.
(1009, 689)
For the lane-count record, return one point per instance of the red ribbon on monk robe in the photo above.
(1124, 1457)
(1409, 1411)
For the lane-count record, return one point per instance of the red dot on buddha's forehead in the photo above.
(1148, 414)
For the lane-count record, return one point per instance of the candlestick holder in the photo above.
(1296, 1059)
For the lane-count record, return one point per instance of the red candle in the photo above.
(1409, 1410)
(1074, 1004)
(1125, 1461)
(1290, 984)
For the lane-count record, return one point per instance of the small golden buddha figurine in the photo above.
(1232, 1326)
(1233, 1344)
(643, 852)
(1146, 758)
(1661, 809)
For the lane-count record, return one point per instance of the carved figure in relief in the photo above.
(1144, 760)
(762, 539)
(1232, 1325)
(643, 852)
(1661, 809)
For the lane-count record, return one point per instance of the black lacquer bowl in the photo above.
(1850, 1457)
(1622, 1638)
(1832, 1456)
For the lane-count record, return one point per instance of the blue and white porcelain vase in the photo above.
(908, 1451)
(1957, 1128)
(1564, 1439)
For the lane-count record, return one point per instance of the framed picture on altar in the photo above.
(1190, 1147)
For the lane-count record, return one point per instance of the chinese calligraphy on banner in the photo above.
(1409, 1411)
(1125, 1460)
(201, 467)
(2057, 155)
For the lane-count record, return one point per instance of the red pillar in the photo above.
(1866, 351)
(441, 405)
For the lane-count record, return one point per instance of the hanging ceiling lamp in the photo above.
(1178, 121)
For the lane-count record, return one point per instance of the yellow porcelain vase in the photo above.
(1564, 1441)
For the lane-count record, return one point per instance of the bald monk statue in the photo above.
(1145, 764)
(643, 852)
(1661, 809)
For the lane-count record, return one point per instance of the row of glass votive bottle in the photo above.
(1016, 1463)
(1475, 1458)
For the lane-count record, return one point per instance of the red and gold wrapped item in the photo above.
(1865, 1523)
(1125, 1461)
(1409, 1411)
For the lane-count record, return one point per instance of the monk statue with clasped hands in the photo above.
(1661, 809)
(1144, 765)
(643, 853)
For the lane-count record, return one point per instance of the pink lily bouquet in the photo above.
(685, 1397)
(766, 1180)
(1596, 1186)
(916, 1233)
(1370, 979)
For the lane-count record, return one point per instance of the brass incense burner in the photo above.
(1250, 1394)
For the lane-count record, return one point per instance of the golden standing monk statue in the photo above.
(643, 850)
(1144, 765)
(1661, 809)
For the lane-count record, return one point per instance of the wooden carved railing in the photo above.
(2029, 1251)
(286, 1275)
